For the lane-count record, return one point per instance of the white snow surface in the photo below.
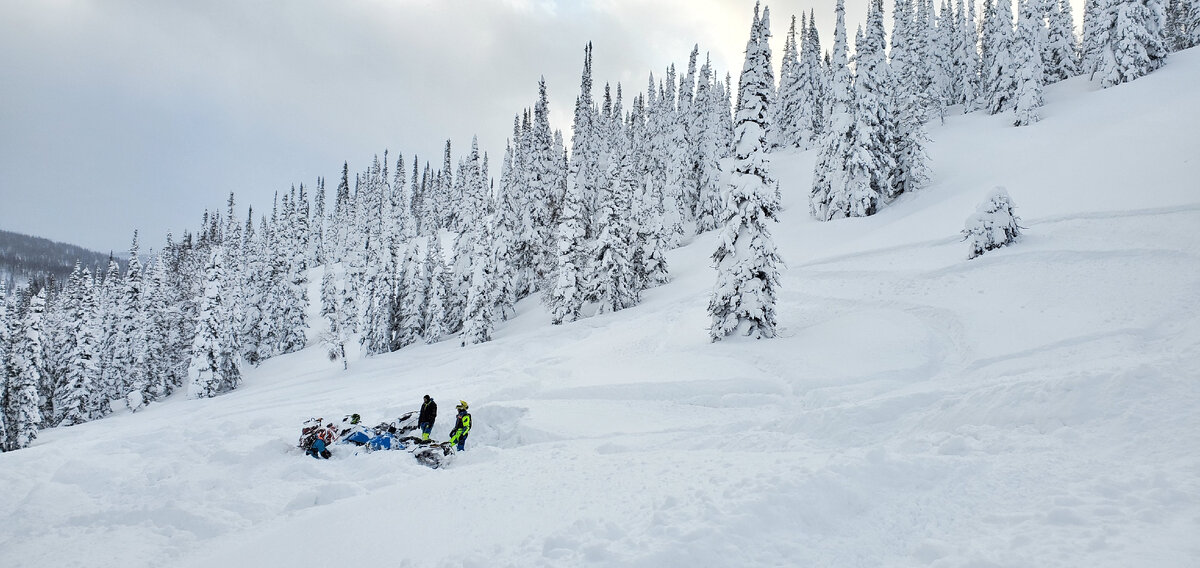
(1036, 406)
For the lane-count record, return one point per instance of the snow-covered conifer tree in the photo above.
(129, 355)
(1027, 54)
(613, 282)
(877, 127)
(711, 147)
(846, 174)
(993, 225)
(968, 56)
(5, 367)
(438, 295)
(1096, 27)
(743, 299)
(1001, 78)
(1132, 41)
(479, 316)
(157, 305)
(650, 234)
(413, 285)
(73, 399)
(331, 304)
(566, 293)
(109, 314)
(24, 404)
(213, 369)
(1060, 55)
(787, 113)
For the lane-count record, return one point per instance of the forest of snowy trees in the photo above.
(408, 251)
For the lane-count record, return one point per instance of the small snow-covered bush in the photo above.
(993, 225)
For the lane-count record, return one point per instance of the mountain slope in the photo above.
(24, 257)
(1032, 407)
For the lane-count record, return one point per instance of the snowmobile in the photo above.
(396, 435)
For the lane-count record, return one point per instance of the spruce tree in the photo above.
(5, 367)
(24, 405)
(612, 283)
(567, 291)
(993, 225)
(1096, 26)
(743, 299)
(786, 127)
(213, 369)
(876, 124)
(1060, 55)
(969, 60)
(650, 238)
(160, 381)
(109, 301)
(846, 178)
(711, 149)
(1001, 79)
(439, 292)
(331, 304)
(129, 356)
(1029, 74)
(414, 285)
(1132, 41)
(73, 400)
(479, 316)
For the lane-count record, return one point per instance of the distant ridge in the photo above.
(24, 258)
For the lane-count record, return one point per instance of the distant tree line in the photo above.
(35, 261)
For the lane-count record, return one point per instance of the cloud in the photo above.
(123, 114)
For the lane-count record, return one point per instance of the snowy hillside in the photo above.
(1036, 406)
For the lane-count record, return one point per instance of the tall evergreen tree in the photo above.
(846, 174)
(968, 56)
(438, 295)
(1096, 26)
(1060, 55)
(743, 299)
(415, 285)
(613, 282)
(73, 404)
(5, 367)
(1027, 52)
(479, 316)
(213, 369)
(650, 240)
(1132, 41)
(876, 125)
(565, 296)
(1001, 78)
(331, 305)
(786, 126)
(129, 356)
(711, 150)
(25, 415)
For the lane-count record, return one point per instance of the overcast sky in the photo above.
(128, 114)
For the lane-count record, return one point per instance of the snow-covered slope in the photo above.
(1037, 406)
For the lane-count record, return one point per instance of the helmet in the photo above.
(462, 405)
(427, 397)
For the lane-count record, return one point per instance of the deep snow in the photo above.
(1037, 406)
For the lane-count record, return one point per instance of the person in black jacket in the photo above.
(428, 415)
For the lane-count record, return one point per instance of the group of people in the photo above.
(317, 435)
(462, 424)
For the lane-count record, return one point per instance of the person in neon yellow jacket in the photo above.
(462, 426)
